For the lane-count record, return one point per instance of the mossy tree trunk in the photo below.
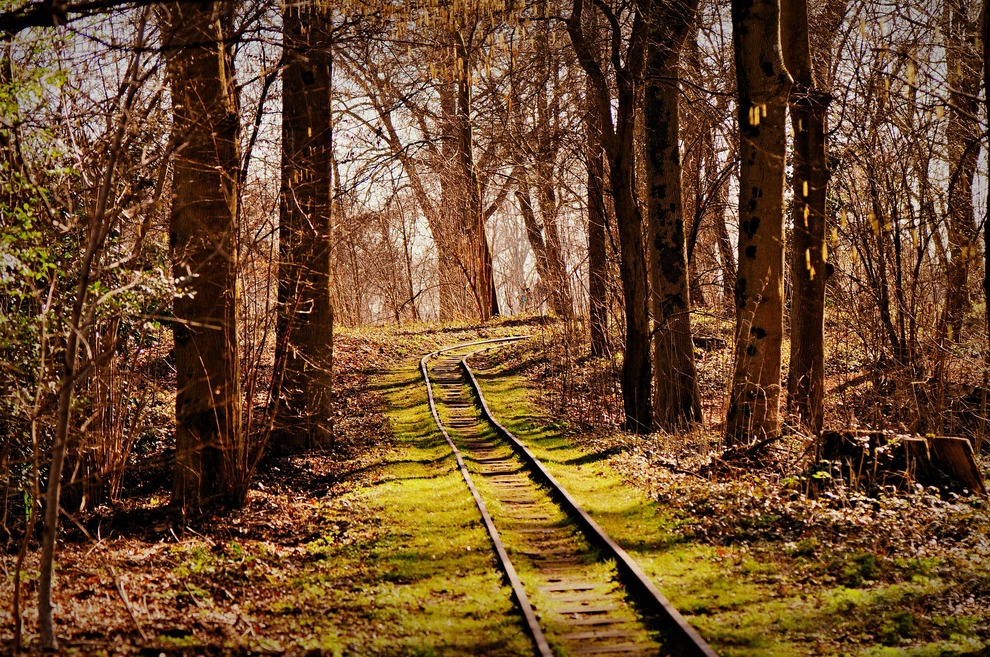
(677, 401)
(209, 439)
(617, 140)
(809, 110)
(763, 84)
(304, 355)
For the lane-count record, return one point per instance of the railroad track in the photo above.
(579, 592)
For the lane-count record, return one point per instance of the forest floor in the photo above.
(376, 549)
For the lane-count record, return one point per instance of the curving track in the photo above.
(578, 591)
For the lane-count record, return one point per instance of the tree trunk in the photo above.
(636, 366)
(763, 85)
(717, 180)
(986, 222)
(694, 125)
(204, 257)
(447, 229)
(678, 402)
(809, 112)
(963, 141)
(534, 234)
(477, 255)
(597, 252)
(547, 124)
(305, 324)
(546, 250)
(557, 281)
(617, 139)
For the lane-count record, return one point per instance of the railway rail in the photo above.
(578, 591)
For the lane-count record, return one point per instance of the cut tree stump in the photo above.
(870, 460)
(955, 456)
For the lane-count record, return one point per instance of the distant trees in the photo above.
(539, 79)
(426, 124)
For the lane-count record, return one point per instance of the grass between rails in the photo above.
(423, 581)
(461, 606)
(743, 580)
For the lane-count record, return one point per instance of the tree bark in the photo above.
(677, 401)
(557, 279)
(986, 222)
(763, 85)
(450, 234)
(617, 139)
(477, 253)
(809, 111)
(963, 145)
(597, 214)
(204, 257)
(305, 324)
(534, 233)
(717, 180)
(547, 146)
(549, 261)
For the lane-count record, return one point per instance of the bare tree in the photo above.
(202, 234)
(304, 352)
(985, 34)
(962, 62)
(763, 85)
(618, 142)
(809, 111)
(678, 402)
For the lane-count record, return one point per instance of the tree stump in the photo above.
(871, 460)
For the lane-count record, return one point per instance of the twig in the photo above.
(678, 470)
(736, 453)
(127, 603)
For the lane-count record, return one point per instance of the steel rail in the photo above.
(687, 641)
(536, 632)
